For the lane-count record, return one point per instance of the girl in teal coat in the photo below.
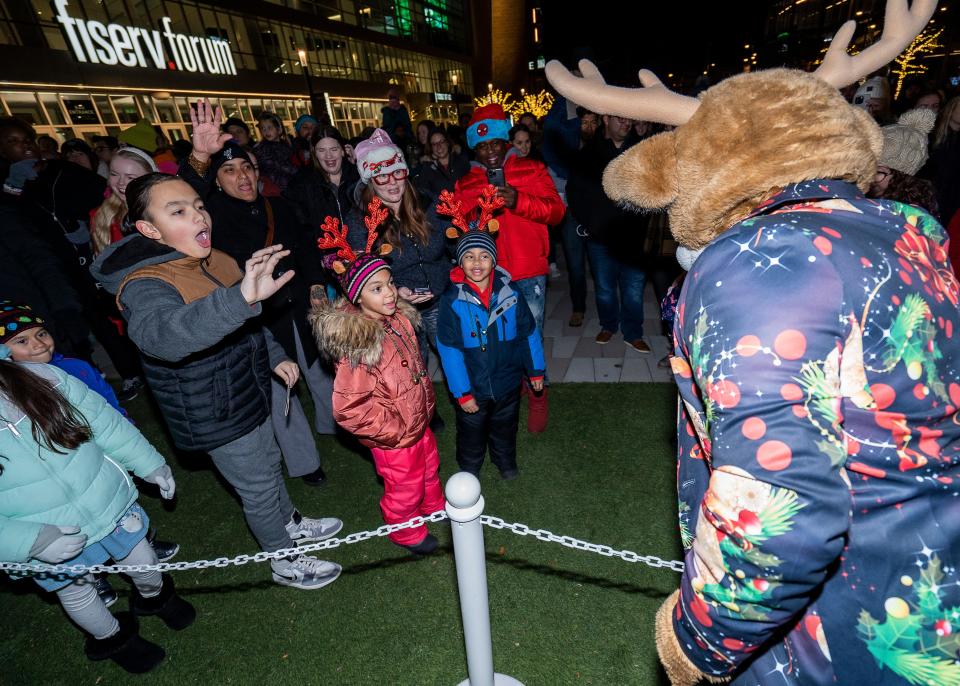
(66, 497)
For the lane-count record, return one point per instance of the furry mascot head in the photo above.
(747, 136)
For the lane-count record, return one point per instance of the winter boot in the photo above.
(537, 415)
(135, 654)
(424, 547)
(175, 612)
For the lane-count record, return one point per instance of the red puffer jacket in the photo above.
(523, 243)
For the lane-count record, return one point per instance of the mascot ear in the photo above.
(646, 175)
(452, 232)
(338, 267)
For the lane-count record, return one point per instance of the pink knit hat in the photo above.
(378, 155)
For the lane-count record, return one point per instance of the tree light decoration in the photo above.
(495, 95)
(538, 104)
(907, 63)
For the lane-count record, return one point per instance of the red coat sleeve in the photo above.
(538, 200)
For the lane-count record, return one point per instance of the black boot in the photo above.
(175, 612)
(135, 654)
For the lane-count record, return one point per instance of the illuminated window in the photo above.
(435, 14)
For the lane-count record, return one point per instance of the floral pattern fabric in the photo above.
(817, 352)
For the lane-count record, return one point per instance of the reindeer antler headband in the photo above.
(354, 269)
(479, 232)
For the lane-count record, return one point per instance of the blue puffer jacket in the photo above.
(87, 487)
(485, 351)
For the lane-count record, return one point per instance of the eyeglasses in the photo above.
(396, 175)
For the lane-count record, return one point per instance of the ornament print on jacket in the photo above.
(819, 439)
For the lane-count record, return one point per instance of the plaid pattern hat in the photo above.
(16, 318)
(477, 233)
(353, 269)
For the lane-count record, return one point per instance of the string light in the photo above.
(907, 63)
(538, 104)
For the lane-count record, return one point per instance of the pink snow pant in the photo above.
(411, 485)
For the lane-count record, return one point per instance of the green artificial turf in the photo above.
(604, 471)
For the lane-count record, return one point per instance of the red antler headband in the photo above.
(487, 204)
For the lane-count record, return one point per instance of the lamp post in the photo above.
(455, 78)
(306, 73)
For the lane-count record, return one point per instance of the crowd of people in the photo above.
(223, 271)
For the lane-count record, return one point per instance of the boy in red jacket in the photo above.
(531, 205)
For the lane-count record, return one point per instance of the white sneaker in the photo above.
(305, 572)
(306, 530)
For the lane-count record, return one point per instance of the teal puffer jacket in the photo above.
(88, 487)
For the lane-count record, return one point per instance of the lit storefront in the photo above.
(77, 69)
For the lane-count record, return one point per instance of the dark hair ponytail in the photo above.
(57, 426)
(138, 198)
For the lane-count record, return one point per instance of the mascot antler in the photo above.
(901, 24)
(335, 238)
(655, 102)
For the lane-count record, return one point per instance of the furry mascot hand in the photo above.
(677, 665)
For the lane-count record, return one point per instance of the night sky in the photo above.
(673, 36)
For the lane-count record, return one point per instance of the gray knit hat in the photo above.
(905, 143)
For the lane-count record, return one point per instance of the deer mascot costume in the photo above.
(817, 354)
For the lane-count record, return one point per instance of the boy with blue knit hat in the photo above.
(488, 341)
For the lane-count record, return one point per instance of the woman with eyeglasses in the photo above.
(420, 260)
(226, 177)
(445, 168)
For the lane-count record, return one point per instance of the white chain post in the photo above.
(464, 507)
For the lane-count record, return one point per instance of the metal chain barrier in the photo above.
(330, 543)
(577, 544)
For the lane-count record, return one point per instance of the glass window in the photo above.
(51, 103)
(127, 109)
(25, 106)
(103, 105)
(167, 109)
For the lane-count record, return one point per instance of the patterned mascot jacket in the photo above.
(817, 351)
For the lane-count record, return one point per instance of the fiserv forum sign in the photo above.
(131, 46)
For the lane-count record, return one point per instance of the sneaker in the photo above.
(576, 319)
(509, 474)
(306, 530)
(424, 547)
(604, 337)
(129, 389)
(165, 550)
(305, 572)
(555, 272)
(104, 590)
(315, 478)
(639, 345)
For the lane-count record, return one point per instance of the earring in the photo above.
(219, 187)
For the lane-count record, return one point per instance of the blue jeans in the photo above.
(534, 289)
(619, 288)
(575, 250)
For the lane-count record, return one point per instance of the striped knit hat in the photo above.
(16, 318)
(352, 269)
(476, 239)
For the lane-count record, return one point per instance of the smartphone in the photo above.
(422, 290)
(496, 177)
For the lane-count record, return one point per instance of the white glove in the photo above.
(163, 477)
(65, 547)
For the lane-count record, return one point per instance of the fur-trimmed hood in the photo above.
(752, 135)
(343, 332)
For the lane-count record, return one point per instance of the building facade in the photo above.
(78, 68)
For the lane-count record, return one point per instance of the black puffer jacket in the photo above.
(432, 178)
(206, 365)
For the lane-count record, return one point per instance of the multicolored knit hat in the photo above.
(16, 318)
(353, 270)
(477, 233)
(378, 155)
(488, 123)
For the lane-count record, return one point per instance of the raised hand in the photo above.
(206, 137)
(258, 283)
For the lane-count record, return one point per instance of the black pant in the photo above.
(494, 424)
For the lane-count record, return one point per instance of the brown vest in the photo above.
(192, 278)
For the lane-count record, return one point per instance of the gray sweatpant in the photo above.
(251, 464)
(293, 430)
(82, 604)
